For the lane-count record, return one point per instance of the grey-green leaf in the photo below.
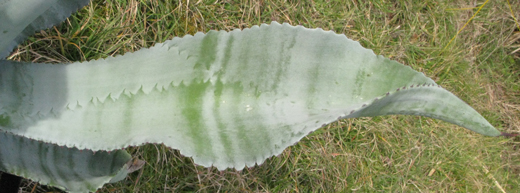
(67, 168)
(228, 99)
(20, 19)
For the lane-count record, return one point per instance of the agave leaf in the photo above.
(228, 99)
(20, 19)
(67, 168)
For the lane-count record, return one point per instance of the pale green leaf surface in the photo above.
(228, 99)
(20, 19)
(67, 168)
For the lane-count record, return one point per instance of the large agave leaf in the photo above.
(21, 18)
(67, 168)
(228, 99)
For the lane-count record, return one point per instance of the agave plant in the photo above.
(226, 99)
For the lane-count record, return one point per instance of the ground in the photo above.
(481, 65)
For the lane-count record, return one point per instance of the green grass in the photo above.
(381, 154)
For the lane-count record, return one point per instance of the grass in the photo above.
(381, 154)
